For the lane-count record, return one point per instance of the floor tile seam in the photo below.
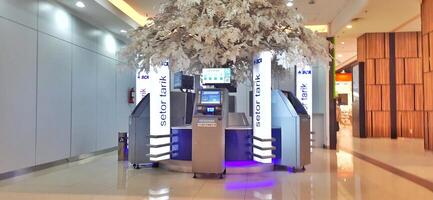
(394, 170)
(199, 190)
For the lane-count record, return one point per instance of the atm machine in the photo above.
(208, 132)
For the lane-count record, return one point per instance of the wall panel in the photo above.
(419, 98)
(106, 103)
(368, 124)
(125, 80)
(399, 71)
(374, 98)
(408, 86)
(361, 49)
(84, 105)
(382, 71)
(430, 46)
(375, 43)
(48, 85)
(54, 100)
(54, 20)
(18, 96)
(428, 91)
(382, 124)
(429, 136)
(20, 11)
(426, 53)
(405, 97)
(386, 98)
(412, 124)
(406, 45)
(370, 72)
(413, 71)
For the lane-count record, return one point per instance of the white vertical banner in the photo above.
(304, 89)
(142, 85)
(262, 106)
(160, 111)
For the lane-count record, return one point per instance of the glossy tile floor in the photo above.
(404, 153)
(332, 175)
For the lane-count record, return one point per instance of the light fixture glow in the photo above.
(123, 31)
(339, 55)
(318, 28)
(80, 4)
(131, 12)
(290, 3)
(342, 43)
(349, 26)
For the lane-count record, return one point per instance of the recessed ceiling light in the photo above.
(339, 55)
(123, 31)
(342, 43)
(80, 4)
(349, 26)
(290, 3)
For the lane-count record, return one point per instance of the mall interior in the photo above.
(216, 99)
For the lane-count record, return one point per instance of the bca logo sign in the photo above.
(143, 76)
(258, 61)
(304, 72)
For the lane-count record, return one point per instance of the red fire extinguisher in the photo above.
(131, 95)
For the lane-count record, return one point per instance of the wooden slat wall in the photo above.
(373, 49)
(427, 51)
(408, 52)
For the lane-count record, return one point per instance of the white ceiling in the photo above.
(313, 13)
(378, 16)
(321, 12)
(97, 15)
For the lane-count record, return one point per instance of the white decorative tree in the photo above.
(193, 34)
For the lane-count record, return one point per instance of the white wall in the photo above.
(62, 90)
(320, 105)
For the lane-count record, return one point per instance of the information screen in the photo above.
(211, 97)
(216, 76)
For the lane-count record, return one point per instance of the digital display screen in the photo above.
(211, 97)
(210, 109)
(216, 76)
(177, 82)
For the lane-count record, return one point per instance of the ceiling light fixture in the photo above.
(342, 43)
(290, 3)
(339, 55)
(131, 12)
(349, 26)
(318, 28)
(123, 31)
(80, 4)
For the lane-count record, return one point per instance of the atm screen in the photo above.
(211, 97)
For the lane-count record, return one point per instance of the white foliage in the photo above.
(194, 34)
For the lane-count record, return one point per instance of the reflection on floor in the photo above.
(332, 175)
(405, 154)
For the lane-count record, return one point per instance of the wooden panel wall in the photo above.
(427, 48)
(409, 80)
(373, 50)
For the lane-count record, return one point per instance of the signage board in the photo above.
(262, 105)
(160, 110)
(216, 76)
(304, 88)
(142, 85)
